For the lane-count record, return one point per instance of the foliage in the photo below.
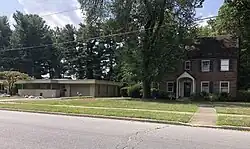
(65, 50)
(205, 95)
(124, 91)
(195, 97)
(5, 33)
(154, 93)
(134, 91)
(234, 18)
(224, 97)
(159, 24)
(243, 95)
(11, 77)
(163, 94)
(31, 31)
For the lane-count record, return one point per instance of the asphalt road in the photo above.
(41, 131)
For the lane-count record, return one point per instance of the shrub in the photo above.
(154, 93)
(163, 95)
(243, 96)
(224, 97)
(134, 91)
(124, 92)
(196, 97)
(203, 96)
(214, 97)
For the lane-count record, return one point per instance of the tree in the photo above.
(31, 31)
(64, 40)
(208, 30)
(5, 33)
(149, 18)
(11, 77)
(234, 18)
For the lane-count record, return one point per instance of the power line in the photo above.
(93, 38)
(98, 37)
(69, 10)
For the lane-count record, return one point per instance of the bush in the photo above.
(124, 92)
(224, 97)
(154, 93)
(203, 96)
(243, 96)
(196, 97)
(135, 91)
(163, 95)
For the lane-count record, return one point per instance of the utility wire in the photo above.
(93, 38)
(69, 10)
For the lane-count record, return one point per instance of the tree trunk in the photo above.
(146, 89)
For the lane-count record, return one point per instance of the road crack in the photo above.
(136, 138)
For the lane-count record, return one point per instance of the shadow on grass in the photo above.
(232, 104)
(186, 101)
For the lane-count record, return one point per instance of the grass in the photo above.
(235, 110)
(233, 121)
(105, 112)
(132, 104)
(233, 114)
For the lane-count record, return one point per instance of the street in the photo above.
(41, 131)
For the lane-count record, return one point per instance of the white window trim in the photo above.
(228, 65)
(202, 65)
(186, 65)
(173, 86)
(228, 85)
(208, 85)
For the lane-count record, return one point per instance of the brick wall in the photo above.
(214, 76)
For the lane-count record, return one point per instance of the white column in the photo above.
(193, 86)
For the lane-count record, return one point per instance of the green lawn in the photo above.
(106, 112)
(233, 114)
(234, 110)
(233, 120)
(131, 104)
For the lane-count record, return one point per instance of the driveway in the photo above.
(41, 131)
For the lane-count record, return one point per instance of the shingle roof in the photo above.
(220, 46)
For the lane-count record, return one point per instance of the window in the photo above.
(170, 86)
(205, 86)
(224, 65)
(205, 65)
(187, 65)
(224, 86)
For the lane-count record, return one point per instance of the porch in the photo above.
(185, 86)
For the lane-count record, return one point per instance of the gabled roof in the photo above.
(186, 75)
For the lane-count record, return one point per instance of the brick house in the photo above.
(211, 65)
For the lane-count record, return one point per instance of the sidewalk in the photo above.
(206, 115)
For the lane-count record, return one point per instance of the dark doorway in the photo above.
(187, 89)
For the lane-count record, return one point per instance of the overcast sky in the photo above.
(43, 7)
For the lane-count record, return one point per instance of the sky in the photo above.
(45, 7)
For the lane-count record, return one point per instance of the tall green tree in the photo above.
(31, 31)
(65, 43)
(5, 33)
(234, 18)
(148, 17)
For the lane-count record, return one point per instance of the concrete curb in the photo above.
(132, 119)
(223, 127)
